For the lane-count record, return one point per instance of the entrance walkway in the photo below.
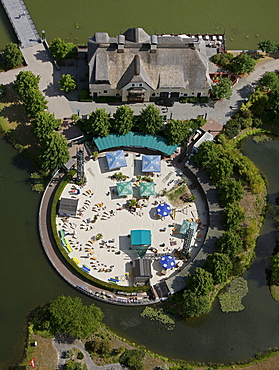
(21, 22)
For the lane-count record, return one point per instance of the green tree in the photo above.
(35, 102)
(270, 81)
(220, 170)
(150, 120)
(68, 315)
(219, 265)
(101, 346)
(61, 49)
(230, 243)
(230, 191)
(274, 101)
(67, 83)
(12, 56)
(200, 282)
(54, 151)
(268, 46)
(208, 153)
(123, 119)
(132, 358)
(26, 82)
(44, 123)
(222, 89)
(195, 305)
(99, 123)
(234, 214)
(243, 63)
(275, 267)
(176, 131)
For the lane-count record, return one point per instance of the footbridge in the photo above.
(21, 22)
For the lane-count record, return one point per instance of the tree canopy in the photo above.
(150, 120)
(208, 152)
(35, 102)
(234, 214)
(243, 63)
(219, 265)
(222, 89)
(123, 119)
(194, 305)
(176, 131)
(54, 151)
(132, 358)
(275, 267)
(12, 56)
(44, 123)
(62, 50)
(220, 170)
(99, 123)
(26, 82)
(230, 243)
(268, 46)
(200, 282)
(68, 315)
(270, 81)
(67, 83)
(230, 191)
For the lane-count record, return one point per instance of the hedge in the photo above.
(71, 264)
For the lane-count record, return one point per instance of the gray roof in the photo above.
(142, 268)
(68, 207)
(177, 61)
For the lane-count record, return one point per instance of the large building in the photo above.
(138, 67)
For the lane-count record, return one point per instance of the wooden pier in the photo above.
(21, 22)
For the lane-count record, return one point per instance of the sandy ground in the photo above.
(112, 259)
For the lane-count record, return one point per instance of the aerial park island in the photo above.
(148, 198)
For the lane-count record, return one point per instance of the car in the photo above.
(165, 102)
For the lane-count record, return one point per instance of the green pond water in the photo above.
(28, 280)
(245, 22)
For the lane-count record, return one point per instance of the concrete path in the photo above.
(21, 22)
(62, 348)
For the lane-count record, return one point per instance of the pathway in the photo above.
(63, 347)
(21, 22)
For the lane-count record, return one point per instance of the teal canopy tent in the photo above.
(124, 188)
(147, 189)
(186, 225)
(140, 241)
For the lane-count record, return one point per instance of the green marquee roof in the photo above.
(124, 188)
(135, 139)
(188, 225)
(147, 189)
(140, 240)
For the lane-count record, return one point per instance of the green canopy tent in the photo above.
(140, 241)
(147, 189)
(124, 188)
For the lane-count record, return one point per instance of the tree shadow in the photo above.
(245, 91)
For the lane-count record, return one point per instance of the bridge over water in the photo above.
(22, 22)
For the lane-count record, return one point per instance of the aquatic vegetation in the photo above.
(159, 316)
(230, 300)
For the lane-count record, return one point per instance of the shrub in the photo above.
(84, 96)
(192, 99)
(132, 358)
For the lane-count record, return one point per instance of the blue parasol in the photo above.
(163, 209)
(167, 262)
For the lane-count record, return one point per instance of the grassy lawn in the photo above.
(174, 195)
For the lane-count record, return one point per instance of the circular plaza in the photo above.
(136, 221)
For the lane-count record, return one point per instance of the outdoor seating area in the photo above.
(112, 214)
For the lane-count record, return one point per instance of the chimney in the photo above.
(153, 43)
(120, 43)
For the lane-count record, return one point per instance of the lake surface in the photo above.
(245, 22)
(28, 280)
